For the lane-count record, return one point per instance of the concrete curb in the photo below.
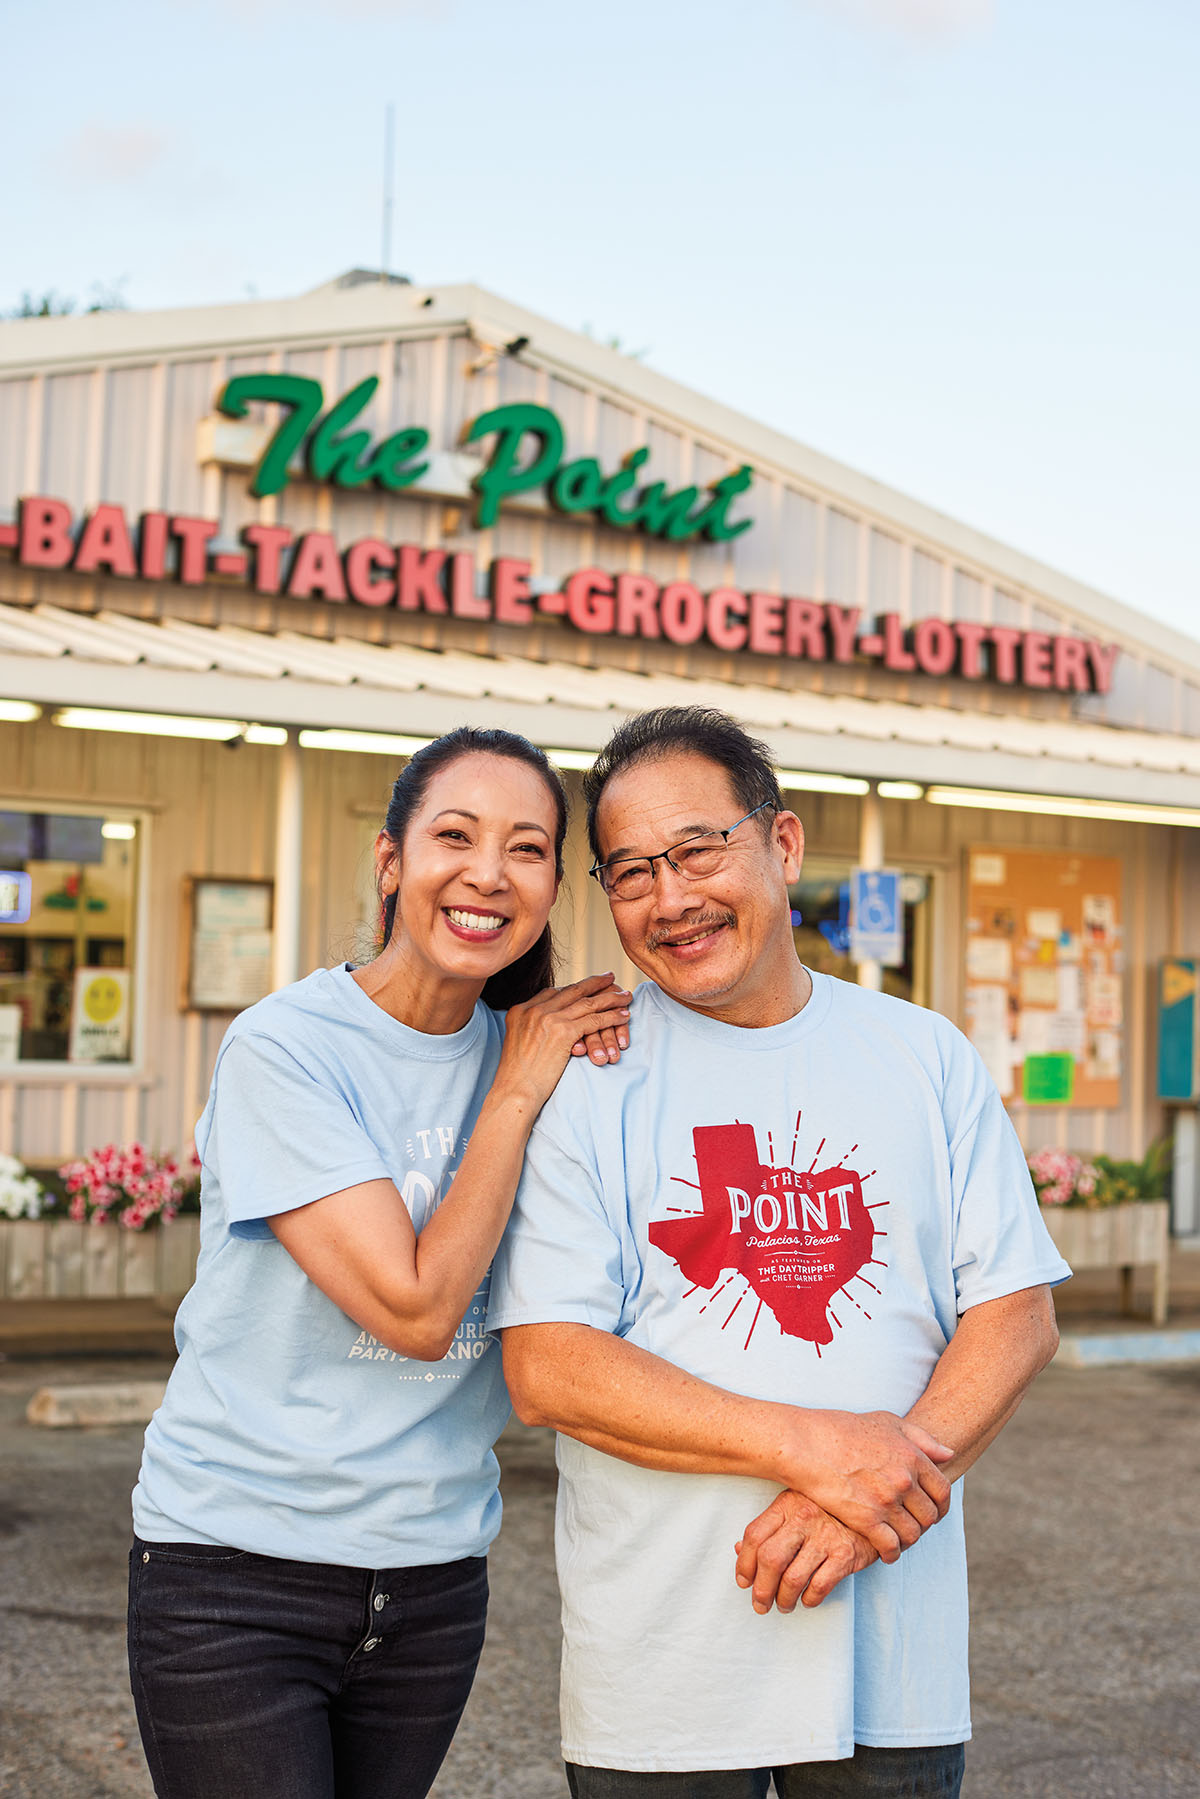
(97, 1403)
(1086, 1349)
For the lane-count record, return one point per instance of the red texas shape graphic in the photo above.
(795, 1237)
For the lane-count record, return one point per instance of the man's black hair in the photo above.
(685, 730)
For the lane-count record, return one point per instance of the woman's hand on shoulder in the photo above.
(541, 1035)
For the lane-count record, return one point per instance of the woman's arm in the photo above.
(359, 1246)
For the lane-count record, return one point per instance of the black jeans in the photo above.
(256, 1678)
(934, 1773)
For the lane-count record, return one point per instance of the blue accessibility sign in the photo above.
(876, 916)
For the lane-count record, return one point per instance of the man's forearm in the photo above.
(985, 1371)
(614, 1396)
(977, 1385)
(873, 1471)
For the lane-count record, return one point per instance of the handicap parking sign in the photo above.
(876, 916)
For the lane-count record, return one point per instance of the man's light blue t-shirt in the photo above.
(799, 1213)
(286, 1430)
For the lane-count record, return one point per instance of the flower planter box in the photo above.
(55, 1258)
(1125, 1237)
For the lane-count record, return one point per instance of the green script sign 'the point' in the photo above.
(527, 454)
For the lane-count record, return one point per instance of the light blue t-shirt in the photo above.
(286, 1430)
(801, 1214)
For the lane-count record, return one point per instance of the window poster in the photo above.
(1044, 962)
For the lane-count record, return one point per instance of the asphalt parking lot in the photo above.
(1084, 1533)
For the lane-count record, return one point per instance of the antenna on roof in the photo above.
(389, 159)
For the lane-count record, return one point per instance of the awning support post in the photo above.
(870, 855)
(289, 864)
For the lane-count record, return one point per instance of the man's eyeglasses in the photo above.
(632, 877)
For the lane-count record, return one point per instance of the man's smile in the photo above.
(679, 938)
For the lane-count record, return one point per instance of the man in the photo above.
(778, 1278)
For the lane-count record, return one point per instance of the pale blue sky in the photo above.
(955, 243)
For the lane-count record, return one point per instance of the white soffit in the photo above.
(60, 657)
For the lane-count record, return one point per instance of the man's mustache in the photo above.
(685, 927)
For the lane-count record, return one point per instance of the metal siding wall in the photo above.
(67, 402)
(127, 407)
(15, 408)
(191, 388)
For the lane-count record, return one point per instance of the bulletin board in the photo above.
(228, 943)
(1044, 975)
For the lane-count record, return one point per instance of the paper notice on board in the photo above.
(1033, 1034)
(1070, 988)
(1104, 1000)
(1099, 917)
(987, 870)
(1104, 1056)
(1068, 1033)
(996, 1054)
(987, 1012)
(1039, 985)
(1044, 922)
(989, 959)
(1048, 1081)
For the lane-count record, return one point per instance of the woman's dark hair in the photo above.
(687, 730)
(535, 969)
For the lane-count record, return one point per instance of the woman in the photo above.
(317, 1493)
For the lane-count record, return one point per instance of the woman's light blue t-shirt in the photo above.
(286, 1430)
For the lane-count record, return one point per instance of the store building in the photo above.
(240, 546)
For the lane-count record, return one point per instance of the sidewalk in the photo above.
(1088, 1306)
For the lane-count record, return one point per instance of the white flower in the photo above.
(20, 1193)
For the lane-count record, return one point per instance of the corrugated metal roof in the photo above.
(48, 632)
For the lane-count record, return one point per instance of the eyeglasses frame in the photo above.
(596, 871)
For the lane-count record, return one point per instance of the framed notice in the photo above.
(1045, 970)
(228, 943)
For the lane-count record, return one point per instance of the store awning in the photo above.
(107, 659)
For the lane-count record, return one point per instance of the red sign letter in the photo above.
(1004, 661)
(1102, 661)
(418, 584)
(104, 543)
(681, 609)
(268, 543)
(317, 569)
(766, 624)
(806, 630)
(511, 603)
(464, 601)
(1035, 659)
(935, 646)
(45, 536)
(193, 535)
(590, 604)
(720, 630)
(637, 606)
(843, 623)
(362, 559)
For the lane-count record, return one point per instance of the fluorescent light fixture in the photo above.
(797, 781)
(372, 743)
(276, 734)
(19, 712)
(899, 790)
(580, 759)
(148, 724)
(119, 828)
(1062, 806)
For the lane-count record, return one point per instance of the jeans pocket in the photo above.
(186, 1555)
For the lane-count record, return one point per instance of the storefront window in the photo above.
(68, 887)
(821, 925)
